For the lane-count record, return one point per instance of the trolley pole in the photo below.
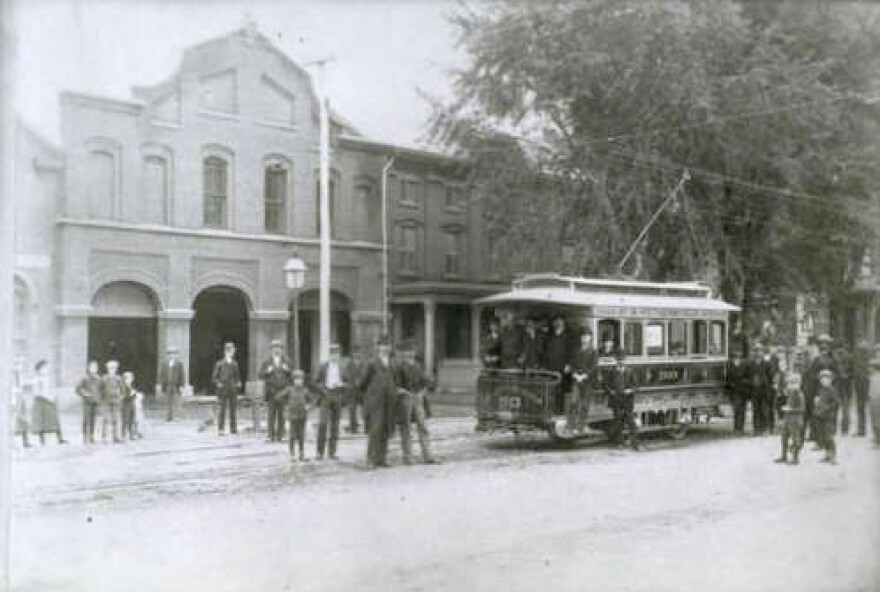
(685, 176)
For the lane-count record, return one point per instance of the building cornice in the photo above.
(400, 151)
(94, 101)
(216, 234)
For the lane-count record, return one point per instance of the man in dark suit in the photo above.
(558, 352)
(277, 374)
(356, 369)
(621, 398)
(379, 397)
(331, 382)
(172, 378)
(824, 361)
(583, 372)
(490, 347)
(511, 342)
(533, 347)
(738, 387)
(226, 379)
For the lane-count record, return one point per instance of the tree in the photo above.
(579, 119)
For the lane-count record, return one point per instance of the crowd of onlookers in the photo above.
(808, 398)
(390, 390)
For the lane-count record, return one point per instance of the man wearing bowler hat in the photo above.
(379, 397)
(227, 385)
(277, 374)
(172, 378)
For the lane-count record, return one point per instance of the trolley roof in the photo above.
(610, 294)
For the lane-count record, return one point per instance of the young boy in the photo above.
(299, 401)
(792, 419)
(825, 410)
(130, 424)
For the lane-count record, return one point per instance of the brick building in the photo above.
(167, 219)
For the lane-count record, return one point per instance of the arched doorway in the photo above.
(123, 326)
(221, 315)
(309, 329)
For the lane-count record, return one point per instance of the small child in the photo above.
(825, 409)
(299, 401)
(129, 415)
(792, 419)
(139, 422)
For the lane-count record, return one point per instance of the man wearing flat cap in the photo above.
(172, 378)
(862, 384)
(277, 374)
(331, 381)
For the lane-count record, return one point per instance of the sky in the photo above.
(382, 51)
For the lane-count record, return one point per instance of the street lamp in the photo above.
(295, 276)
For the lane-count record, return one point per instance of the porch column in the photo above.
(174, 330)
(73, 324)
(430, 306)
(476, 313)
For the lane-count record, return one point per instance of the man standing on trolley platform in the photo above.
(621, 398)
(558, 354)
(511, 338)
(490, 347)
(583, 373)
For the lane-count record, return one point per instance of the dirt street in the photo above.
(182, 510)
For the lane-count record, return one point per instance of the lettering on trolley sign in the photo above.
(649, 312)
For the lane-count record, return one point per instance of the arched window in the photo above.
(156, 181)
(102, 184)
(216, 192)
(275, 197)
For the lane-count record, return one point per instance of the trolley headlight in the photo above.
(638, 421)
(559, 425)
(684, 418)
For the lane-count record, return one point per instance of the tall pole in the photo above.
(685, 176)
(324, 217)
(296, 363)
(385, 295)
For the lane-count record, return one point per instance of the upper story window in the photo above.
(609, 337)
(333, 193)
(408, 248)
(216, 188)
(366, 195)
(655, 338)
(275, 198)
(455, 254)
(454, 198)
(102, 185)
(157, 189)
(410, 192)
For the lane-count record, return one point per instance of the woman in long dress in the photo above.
(21, 405)
(44, 417)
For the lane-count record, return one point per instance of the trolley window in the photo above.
(655, 338)
(716, 338)
(700, 339)
(678, 338)
(632, 339)
(609, 336)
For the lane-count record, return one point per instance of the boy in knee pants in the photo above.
(792, 419)
(299, 401)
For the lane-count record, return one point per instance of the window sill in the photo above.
(220, 115)
(288, 127)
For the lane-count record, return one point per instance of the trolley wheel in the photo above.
(679, 431)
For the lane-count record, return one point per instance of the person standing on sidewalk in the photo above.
(299, 401)
(172, 378)
(44, 417)
(379, 395)
(825, 408)
(738, 386)
(792, 420)
(22, 400)
(89, 391)
(621, 398)
(861, 373)
(825, 360)
(227, 384)
(112, 391)
(356, 368)
(844, 384)
(413, 384)
(277, 374)
(330, 383)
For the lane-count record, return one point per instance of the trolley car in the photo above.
(675, 336)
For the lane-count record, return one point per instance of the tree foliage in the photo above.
(580, 118)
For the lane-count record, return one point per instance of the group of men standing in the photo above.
(391, 388)
(760, 379)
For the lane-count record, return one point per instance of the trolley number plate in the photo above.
(509, 402)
